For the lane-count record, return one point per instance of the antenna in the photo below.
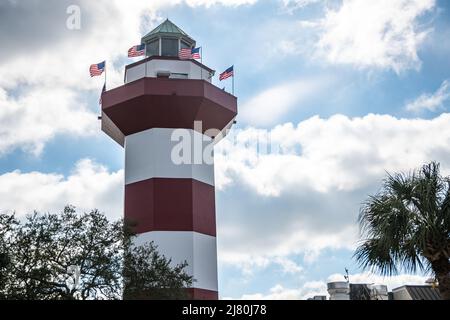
(346, 277)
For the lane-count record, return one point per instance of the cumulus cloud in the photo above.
(319, 288)
(304, 198)
(279, 292)
(304, 195)
(289, 266)
(376, 34)
(338, 153)
(384, 34)
(431, 102)
(209, 3)
(249, 266)
(392, 282)
(89, 186)
(292, 5)
(44, 89)
(44, 80)
(64, 57)
(37, 115)
(271, 105)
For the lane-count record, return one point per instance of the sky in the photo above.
(346, 90)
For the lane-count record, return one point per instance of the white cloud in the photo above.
(303, 200)
(431, 102)
(89, 186)
(288, 266)
(208, 3)
(319, 288)
(251, 264)
(279, 292)
(46, 95)
(307, 198)
(44, 89)
(338, 153)
(392, 282)
(292, 5)
(37, 115)
(66, 62)
(384, 34)
(375, 35)
(379, 33)
(269, 106)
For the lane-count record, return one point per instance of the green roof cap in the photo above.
(167, 27)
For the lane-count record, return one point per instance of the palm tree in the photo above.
(406, 226)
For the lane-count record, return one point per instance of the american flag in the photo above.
(195, 53)
(97, 68)
(136, 51)
(101, 94)
(185, 54)
(188, 53)
(227, 73)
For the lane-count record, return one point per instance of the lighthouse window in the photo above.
(153, 48)
(184, 45)
(169, 47)
(174, 75)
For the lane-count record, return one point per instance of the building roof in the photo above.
(167, 27)
(422, 292)
(359, 291)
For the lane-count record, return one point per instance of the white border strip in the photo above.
(148, 155)
(199, 250)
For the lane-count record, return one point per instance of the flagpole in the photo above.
(105, 74)
(233, 80)
(201, 61)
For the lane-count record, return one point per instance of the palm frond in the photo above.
(405, 222)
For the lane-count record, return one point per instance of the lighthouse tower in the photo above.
(169, 187)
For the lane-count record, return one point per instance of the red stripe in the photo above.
(189, 99)
(202, 294)
(133, 53)
(166, 204)
(224, 75)
(185, 54)
(95, 71)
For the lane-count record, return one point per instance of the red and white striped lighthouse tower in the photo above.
(169, 187)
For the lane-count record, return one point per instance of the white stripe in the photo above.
(199, 250)
(148, 154)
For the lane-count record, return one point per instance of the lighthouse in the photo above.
(167, 115)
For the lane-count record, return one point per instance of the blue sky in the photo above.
(349, 89)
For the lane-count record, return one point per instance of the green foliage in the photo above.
(148, 275)
(37, 252)
(406, 226)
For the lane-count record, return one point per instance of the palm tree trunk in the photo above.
(444, 285)
(441, 269)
